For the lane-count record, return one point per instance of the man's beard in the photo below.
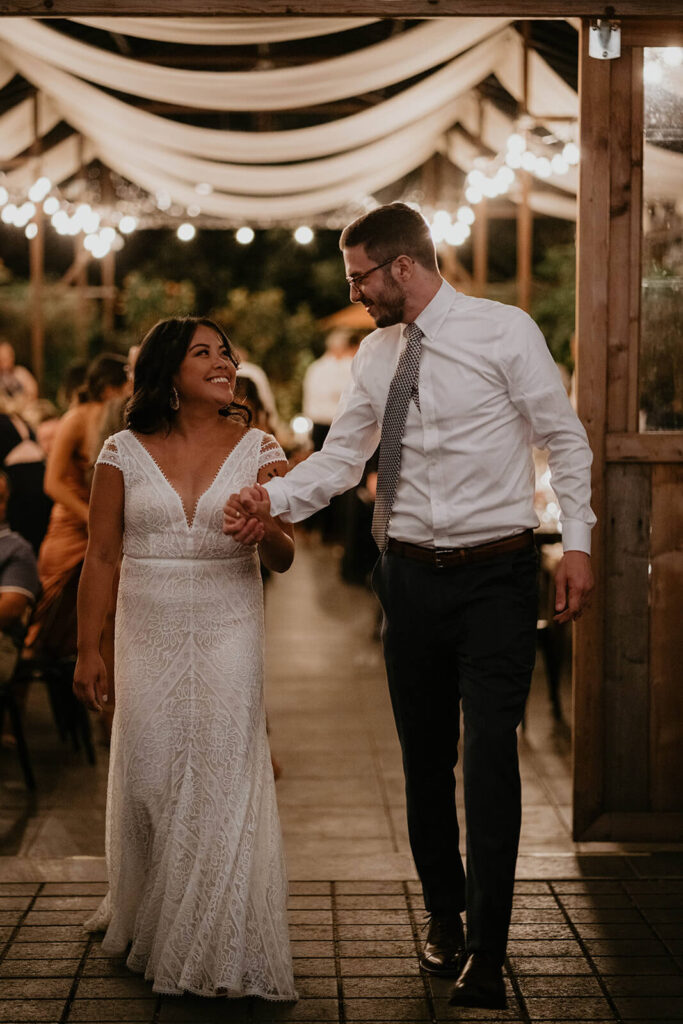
(391, 306)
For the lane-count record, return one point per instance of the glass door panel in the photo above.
(661, 335)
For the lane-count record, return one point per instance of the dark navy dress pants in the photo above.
(462, 638)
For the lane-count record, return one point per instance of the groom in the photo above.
(456, 389)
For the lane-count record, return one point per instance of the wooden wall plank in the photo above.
(619, 245)
(666, 650)
(635, 243)
(639, 827)
(592, 322)
(652, 32)
(626, 689)
(322, 8)
(658, 446)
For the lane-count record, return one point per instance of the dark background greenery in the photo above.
(269, 295)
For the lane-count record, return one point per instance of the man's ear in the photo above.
(405, 266)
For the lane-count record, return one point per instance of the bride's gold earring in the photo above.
(174, 400)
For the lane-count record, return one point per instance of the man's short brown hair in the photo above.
(392, 230)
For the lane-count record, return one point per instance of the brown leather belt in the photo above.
(450, 558)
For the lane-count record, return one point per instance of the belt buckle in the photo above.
(440, 554)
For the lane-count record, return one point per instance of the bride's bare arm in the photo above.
(276, 548)
(94, 591)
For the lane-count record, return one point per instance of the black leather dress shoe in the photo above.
(480, 984)
(444, 950)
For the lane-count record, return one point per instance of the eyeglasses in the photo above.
(355, 279)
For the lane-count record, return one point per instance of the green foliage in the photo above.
(553, 305)
(282, 342)
(61, 319)
(144, 300)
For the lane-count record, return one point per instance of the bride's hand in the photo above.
(244, 515)
(90, 680)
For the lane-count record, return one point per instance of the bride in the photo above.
(197, 885)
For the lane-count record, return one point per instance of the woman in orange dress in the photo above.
(52, 636)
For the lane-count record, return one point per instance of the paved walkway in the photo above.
(597, 931)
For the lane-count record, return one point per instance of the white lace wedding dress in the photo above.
(197, 882)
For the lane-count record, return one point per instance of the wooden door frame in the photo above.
(609, 230)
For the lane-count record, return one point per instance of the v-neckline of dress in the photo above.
(189, 523)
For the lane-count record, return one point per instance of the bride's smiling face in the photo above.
(207, 373)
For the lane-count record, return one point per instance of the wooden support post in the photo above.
(524, 214)
(592, 290)
(480, 250)
(453, 270)
(108, 274)
(37, 261)
(108, 265)
(81, 282)
(524, 243)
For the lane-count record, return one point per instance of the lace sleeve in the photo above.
(270, 452)
(110, 455)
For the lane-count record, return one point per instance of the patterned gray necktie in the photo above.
(403, 387)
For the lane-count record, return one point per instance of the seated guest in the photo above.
(19, 587)
(16, 382)
(23, 460)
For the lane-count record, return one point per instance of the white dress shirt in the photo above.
(489, 390)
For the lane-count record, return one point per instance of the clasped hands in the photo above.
(246, 515)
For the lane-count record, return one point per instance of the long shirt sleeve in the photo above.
(489, 390)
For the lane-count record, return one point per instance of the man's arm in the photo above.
(352, 439)
(537, 391)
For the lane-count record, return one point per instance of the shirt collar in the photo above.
(433, 315)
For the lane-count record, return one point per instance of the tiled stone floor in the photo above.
(597, 931)
(598, 950)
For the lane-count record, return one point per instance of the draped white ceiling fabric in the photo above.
(263, 209)
(373, 67)
(270, 177)
(270, 147)
(7, 73)
(17, 129)
(224, 31)
(254, 179)
(60, 162)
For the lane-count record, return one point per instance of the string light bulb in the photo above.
(543, 167)
(516, 143)
(571, 153)
(244, 235)
(39, 189)
(127, 224)
(303, 235)
(186, 232)
(24, 214)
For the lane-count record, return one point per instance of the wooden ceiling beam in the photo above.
(352, 8)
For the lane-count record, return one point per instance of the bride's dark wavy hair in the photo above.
(162, 351)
